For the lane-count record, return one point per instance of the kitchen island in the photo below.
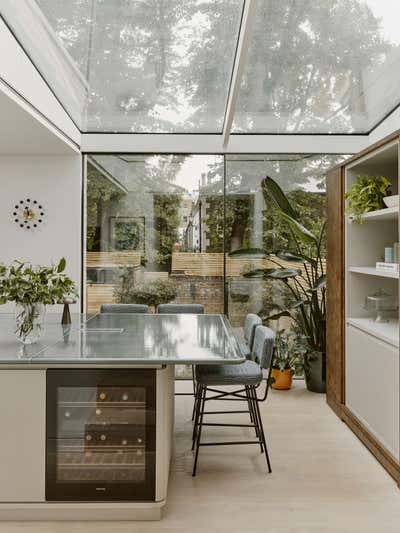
(87, 412)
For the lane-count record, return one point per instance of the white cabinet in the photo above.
(22, 435)
(372, 385)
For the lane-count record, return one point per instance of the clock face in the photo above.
(28, 214)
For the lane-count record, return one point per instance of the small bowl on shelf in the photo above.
(391, 201)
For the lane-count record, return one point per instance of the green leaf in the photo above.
(299, 230)
(320, 283)
(277, 316)
(283, 273)
(249, 252)
(289, 257)
(258, 273)
(61, 265)
(271, 188)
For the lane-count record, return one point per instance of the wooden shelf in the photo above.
(372, 271)
(385, 331)
(389, 213)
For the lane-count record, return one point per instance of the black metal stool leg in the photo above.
(201, 409)
(194, 392)
(262, 434)
(196, 416)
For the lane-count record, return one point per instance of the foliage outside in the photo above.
(366, 195)
(152, 293)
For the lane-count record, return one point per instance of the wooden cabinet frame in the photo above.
(336, 312)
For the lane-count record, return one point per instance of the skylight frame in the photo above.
(240, 60)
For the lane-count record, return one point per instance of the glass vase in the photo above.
(29, 319)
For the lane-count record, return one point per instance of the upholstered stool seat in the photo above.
(247, 373)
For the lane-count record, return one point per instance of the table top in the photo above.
(124, 339)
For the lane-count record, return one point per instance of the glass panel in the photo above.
(153, 234)
(320, 67)
(146, 65)
(101, 434)
(252, 222)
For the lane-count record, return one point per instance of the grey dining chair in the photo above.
(251, 322)
(248, 376)
(124, 308)
(194, 309)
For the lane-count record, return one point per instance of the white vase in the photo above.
(29, 319)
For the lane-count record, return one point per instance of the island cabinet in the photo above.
(362, 352)
(85, 443)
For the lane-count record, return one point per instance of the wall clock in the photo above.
(28, 214)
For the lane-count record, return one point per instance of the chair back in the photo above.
(250, 324)
(124, 308)
(263, 347)
(194, 309)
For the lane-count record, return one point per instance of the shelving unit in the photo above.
(371, 348)
(390, 213)
(363, 355)
(372, 271)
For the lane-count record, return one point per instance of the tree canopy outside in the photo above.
(165, 66)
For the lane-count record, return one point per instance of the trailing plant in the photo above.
(289, 351)
(29, 285)
(366, 195)
(305, 281)
(152, 293)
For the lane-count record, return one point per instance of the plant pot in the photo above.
(315, 371)
(283, 378)
(391, 201)
(29, 322)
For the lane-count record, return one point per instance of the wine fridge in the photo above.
(101, 435)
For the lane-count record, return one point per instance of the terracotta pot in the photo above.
(283, 379)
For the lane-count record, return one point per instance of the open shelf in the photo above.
(385, 331)
(389, 213)
(372, 271)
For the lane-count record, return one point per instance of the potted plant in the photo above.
(288, 359)
(366, 195)
(152, 293)
(33, 287)
(305, 282)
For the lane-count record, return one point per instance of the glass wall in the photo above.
(252, 222)
(158, 227)
(155, 230)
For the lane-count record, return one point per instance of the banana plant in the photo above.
(305, 280)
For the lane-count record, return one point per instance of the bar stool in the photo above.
(249, 376)
(251, 322)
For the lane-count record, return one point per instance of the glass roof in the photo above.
(167, 66)
(320, 66)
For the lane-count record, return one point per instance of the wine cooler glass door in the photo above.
(100, 435)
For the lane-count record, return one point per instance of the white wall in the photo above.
(56, 181)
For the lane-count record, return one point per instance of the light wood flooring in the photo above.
(323, 479)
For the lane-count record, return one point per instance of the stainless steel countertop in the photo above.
(124, 339)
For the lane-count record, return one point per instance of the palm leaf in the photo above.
(272, 189)
(254, 253)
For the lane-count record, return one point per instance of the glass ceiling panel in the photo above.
(152, 66)
(320, 66)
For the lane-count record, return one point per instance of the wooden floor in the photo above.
(323, 480)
